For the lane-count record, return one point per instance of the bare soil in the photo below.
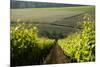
(56, 56)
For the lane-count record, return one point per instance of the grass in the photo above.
(48, 19)
(27, 48)
(62, 8)
(27, 26)
(47, 14)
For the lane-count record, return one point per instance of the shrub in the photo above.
(81, 45)
(26, 47)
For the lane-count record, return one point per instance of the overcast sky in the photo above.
(87, 2)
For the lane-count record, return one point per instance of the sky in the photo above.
(87, 2)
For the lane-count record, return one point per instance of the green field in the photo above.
(66, 32)
(48, 15)
(63, 19)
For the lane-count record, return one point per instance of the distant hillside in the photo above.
(31, 4)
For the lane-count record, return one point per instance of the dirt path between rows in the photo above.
(56, 56)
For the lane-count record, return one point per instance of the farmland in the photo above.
(50, 18)
(34, 31)
(48, 15)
